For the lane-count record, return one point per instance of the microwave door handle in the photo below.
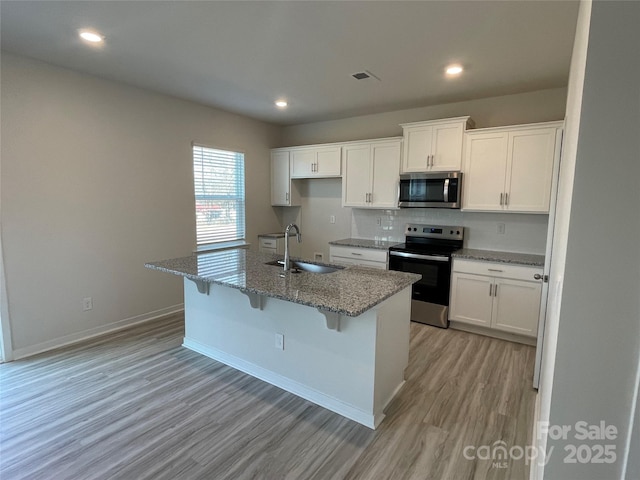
(446, 190)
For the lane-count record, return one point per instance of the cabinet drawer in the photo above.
(266, 242)
(353, 261)
(359, 253)
(496, 269)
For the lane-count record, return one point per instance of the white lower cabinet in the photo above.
(496, 295)
(365, 257)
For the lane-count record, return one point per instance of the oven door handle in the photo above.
(434, 258)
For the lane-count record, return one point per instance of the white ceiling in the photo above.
(241, 56)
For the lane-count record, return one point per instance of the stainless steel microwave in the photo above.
(431, 190)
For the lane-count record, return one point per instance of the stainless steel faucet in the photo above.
(287, 260)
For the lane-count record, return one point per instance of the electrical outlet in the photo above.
(318, 256)
(87, 303)
(279, 341)
(332, 219)
(501, 228)
(379, 221)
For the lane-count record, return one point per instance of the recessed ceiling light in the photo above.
(281, 103)
(91, 36)
(454, 70)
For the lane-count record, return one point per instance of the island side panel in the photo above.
(392, 348)
(335, 369)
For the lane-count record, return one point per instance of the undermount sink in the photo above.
(297, 267)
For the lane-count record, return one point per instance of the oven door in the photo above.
(435, 271)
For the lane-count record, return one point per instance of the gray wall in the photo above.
(598, 332)
(96, 180)
(540, 106)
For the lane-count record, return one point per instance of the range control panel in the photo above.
(444, 232)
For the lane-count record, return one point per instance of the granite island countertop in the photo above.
(501, 257)
(349, 291)
(364, 243)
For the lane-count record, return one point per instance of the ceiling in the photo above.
(241, 56)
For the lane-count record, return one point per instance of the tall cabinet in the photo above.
(283, 191)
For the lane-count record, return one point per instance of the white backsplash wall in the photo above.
(523, 233)
(320, 198)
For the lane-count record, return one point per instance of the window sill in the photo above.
(214, 247)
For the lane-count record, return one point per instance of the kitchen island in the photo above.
(340, 339)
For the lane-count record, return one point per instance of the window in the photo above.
(218, 180)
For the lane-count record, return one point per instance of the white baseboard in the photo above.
(367, 419)
(490, 332)
(94, 332)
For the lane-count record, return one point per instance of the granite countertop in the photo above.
(502, 257)
(364, 243)
(350, 291)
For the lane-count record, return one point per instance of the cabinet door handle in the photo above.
(490, 286)
(286, 196)
(501, 199)
(356, 254)
(495, 270)
(430, 161)
(506, 199)
(495, 290)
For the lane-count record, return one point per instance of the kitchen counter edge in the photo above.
(370, 287)
(526, 259)
(364, 243)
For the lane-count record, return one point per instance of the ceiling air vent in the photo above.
(364, 74)
(360, 75)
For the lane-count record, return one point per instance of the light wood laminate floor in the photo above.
(137, 405)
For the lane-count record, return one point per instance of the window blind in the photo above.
(218, 181)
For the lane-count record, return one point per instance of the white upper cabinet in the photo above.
(312, 162)
(283, 192)
(510, 169)
(434, 146)
(371, 174)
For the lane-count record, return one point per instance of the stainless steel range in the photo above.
(427, 250)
